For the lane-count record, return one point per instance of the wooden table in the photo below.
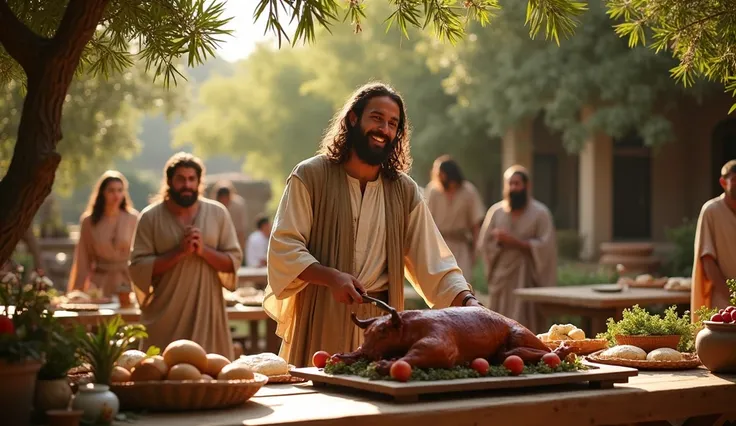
(253, 314)
(595, 307)
(254, 275)
(649, 399)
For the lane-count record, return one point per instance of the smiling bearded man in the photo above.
(350, 222)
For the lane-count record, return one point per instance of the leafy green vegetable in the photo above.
(638, 322)
(367, 369)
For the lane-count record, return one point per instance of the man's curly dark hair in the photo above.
(336, 144)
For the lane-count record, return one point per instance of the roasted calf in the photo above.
(445, 338)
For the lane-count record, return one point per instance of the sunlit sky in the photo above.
(245, 33)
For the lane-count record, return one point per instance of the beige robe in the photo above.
(455, 218)
(715, 236)
(239, 215)
(429, 267)
(102, 252)
(509, 268)
(186, 302)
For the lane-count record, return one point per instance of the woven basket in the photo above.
(167, 395)
(580, 347)
(650, 343)
(285, 378)
(689, 361)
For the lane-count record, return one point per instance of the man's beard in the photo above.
(183, 200)
(517, 199)
(445, 184)
(360, 141)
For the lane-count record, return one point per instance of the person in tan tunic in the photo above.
(715, 246)
(457, 210)
(224, 192)
(106, 231)
(518, 244)
(185, 251)
(350, 222)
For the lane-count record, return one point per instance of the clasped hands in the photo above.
(192, 242)
(502, 236)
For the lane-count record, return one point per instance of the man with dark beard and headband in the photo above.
(351, 222)
(518, 245)
(185, 250)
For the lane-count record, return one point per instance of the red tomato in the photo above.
(716, 318)
(401, 371)
(726, 316)
(480, 365)
(551, 359)
(514, 364)
(319, 359)
(6, 325)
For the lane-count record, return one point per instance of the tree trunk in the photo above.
(50, 70)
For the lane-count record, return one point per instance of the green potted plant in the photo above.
(648, 332)
(101, 350)
(60, 355)
(24, 330)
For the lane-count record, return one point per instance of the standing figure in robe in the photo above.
(457, 210)
(226, 194)
(184, 252)
(519, 247)
(350, 222)
(106, 231)
(715, 246)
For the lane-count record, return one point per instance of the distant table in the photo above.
(250, 274)
(252, 314)
(595, 307)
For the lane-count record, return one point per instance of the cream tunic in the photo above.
(429, 265)
(715, 236)
(186, 301)
(456, 216)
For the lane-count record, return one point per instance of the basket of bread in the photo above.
(573, 337)
(270, 365)
(649, 341)
(643, 281)
(183, 377)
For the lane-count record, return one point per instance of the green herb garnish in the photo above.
(638, 322)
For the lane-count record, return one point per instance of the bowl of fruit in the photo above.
(716, 342)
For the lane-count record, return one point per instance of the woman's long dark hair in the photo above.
(96, 205)
(336, 142)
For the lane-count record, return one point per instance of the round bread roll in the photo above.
(207, 378)
(184, 372)
(625, 352)
(119, 374)
(543, 337)
(577, 334)
(268, 364)
(561, 329)
(149, 369)
(664, 354)
(185, 352)
(235, 372)
(643, 279)
(130, 358)
(215, 362)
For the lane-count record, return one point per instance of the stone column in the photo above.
(517, 148)
(595, 221)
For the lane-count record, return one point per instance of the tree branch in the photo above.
(77, 26)
(17, 39)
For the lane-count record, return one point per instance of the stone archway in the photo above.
(723, 149)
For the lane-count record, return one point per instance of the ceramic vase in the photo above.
(17, 385)
(52, 394)
(99, 403)
(716, 347)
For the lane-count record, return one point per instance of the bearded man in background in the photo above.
(349, 222)
(185, 250)
(518, 245)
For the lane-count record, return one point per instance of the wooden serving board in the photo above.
(599, 376)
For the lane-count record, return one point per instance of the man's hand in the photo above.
(195, 238)
(502, 236)
(346, 288)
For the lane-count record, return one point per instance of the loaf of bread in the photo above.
(625, 352)
(267, 363)
(664, 354)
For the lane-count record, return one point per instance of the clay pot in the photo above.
(124, 298)
(52, 394)
(650, 343)
(63, 417)
(99, 404)
(716, 347)
(17, 385)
